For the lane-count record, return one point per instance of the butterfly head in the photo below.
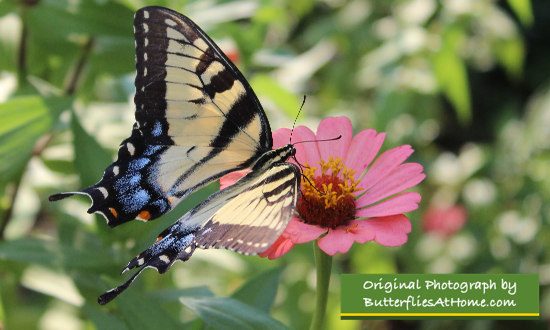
(292, 151)
(286, 152)
(283, 153)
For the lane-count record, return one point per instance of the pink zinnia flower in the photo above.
(356, 198)
(445, 221)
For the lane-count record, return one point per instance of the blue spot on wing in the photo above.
(127, 182)
(157, 129)
(137, 164)
(151, 150)
(135, 200)
(161, 204)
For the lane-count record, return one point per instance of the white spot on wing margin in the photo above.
(104, 191)
(131, 148)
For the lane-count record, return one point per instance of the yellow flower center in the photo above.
(328, 200)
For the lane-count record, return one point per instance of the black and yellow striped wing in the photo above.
(196, 119)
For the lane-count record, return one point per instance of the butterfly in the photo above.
(197, 119)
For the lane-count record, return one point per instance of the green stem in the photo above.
(78, 70)
(323, 263)
(22, 50)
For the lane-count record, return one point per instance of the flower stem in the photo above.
(323, 263)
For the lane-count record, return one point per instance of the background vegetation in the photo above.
(465, 82)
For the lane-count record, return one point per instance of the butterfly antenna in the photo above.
(295, 119)
(323, 140)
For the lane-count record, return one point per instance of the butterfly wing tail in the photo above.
(113, 293)
(118, 208)
(60, 196)
(101, 203)
(176, 242)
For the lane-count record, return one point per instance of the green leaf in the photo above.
(523, 9)
(511, 54)
(79, 17)
(59, 165)
(270, 14)
(175, 294)
(228, 313)
(141, 313)
(7, 6)
(260, 291)
(113, 54)
(51, 254)
(452, 76)
(23, 120)
(265, 86)
(103, 320)
(90, 157)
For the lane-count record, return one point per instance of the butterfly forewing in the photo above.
(197, 119)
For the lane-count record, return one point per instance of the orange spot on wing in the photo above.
(144, 215)
(158, 239)
(113, 212)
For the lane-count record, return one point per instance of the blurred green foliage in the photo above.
(465, 82)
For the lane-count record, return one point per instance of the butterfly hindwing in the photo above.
(250, 222)
(197, 119)
(246, 217)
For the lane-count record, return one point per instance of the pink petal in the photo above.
(296, 232)
(389, 231)
(281, 137)
(340, 239)
(384, 165)
(306, 152)
(399, 204)
(300, 232)
(330, 128)
(363, 149)
(404, 177)
(279, 248)
(231, 178)
(361, 234)
(336, 241)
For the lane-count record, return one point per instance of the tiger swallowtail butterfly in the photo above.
(197, 119)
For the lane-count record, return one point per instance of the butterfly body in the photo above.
(197, 119)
